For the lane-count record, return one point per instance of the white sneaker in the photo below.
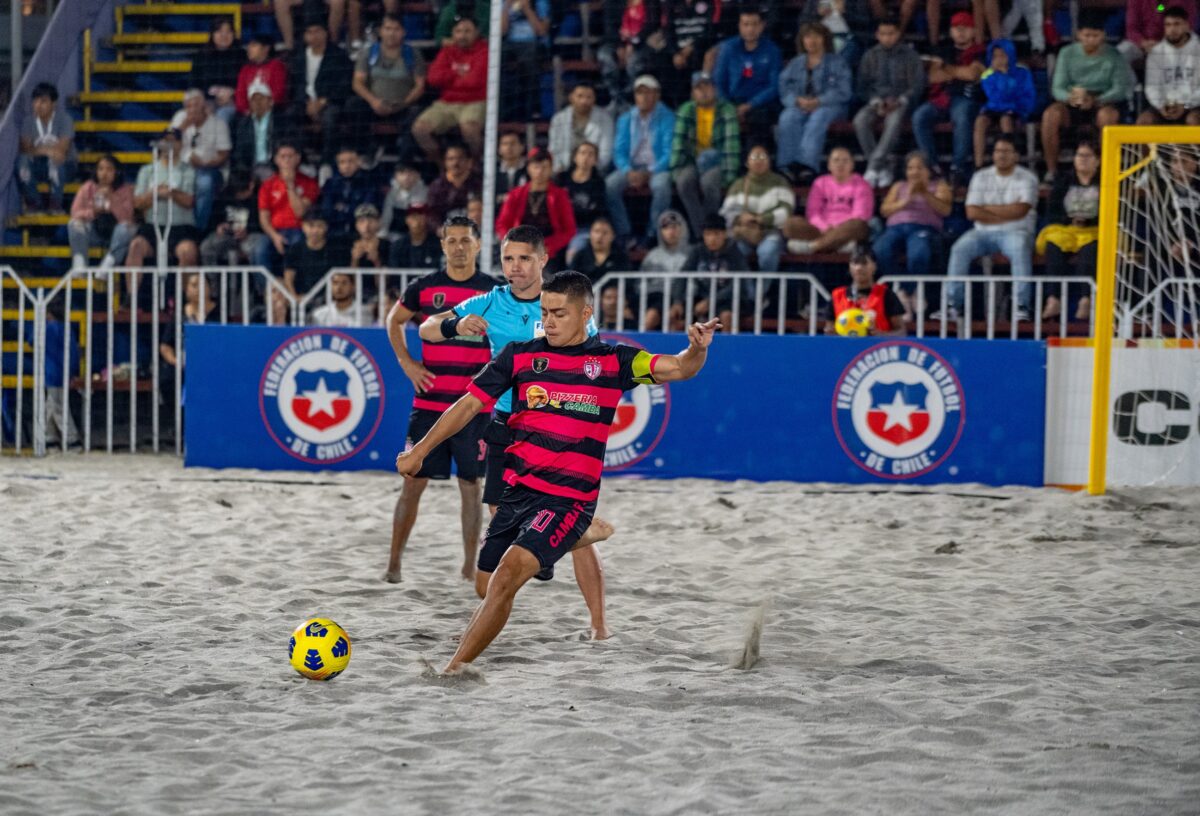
(951, 315)
(1021, 315)
(79, 261)
(324, 174)
(871, 177)
(799, 247)
(108, 261)
(848, 247)
(884, 178)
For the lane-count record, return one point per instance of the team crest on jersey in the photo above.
(640, 420)
(898, 410)
(540, 364)
(591, 368)
(439, 300)
(321, 396)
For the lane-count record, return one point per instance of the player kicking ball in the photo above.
(567, 387)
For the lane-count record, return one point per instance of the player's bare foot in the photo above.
(599, 633)
(392, 576)
(598, 530)
(468, 572)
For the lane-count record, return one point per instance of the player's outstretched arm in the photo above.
(687, 364)
(445, 325)
(451, 422)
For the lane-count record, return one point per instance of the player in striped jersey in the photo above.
(440, 378)
(566, 389)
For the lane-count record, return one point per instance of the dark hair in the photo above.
(1177, 13)
(346, 148)
(582, 145)
(393, 16)
(1091, 18)
(1005, 137)
(814, 28)
(44, 89)
(887, 21)
(863, 252)
(602, 219)
(575, 285)
(282, 143)
(461, 221)
(239, 178)
(1089, 142)
(118, 170)
(526, 234)
(220, 22)
(455, 146)
(520, 136)
(584, 83)
(756, 11)
(919, 154)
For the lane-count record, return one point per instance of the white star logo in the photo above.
(321, 400)
(898, 412)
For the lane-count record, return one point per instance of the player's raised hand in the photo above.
(472, 325)
(420, 376)
(409, 463)
(700, 335)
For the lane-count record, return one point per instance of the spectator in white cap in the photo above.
(255, 134)
(206, 147)
(642, 157)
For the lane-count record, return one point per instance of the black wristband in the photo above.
(450, 327)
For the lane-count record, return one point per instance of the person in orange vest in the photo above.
(876, 299)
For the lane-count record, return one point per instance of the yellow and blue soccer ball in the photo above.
(853, 323)
(319, 649)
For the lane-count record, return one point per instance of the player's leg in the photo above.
(589, 574)
(516, 568)
(403, 518)
(469, 452)
(472, 523)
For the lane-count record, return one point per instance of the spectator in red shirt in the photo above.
(284, 198)
(459, 71)
(261, 66)
(541, 204)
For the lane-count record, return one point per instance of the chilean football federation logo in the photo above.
(321, 397)
(898, 410)
(639, 422)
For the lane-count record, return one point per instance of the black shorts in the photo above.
(1080, 119)
(179, 234)
(498, 437)
(548, 526)
(466, 447)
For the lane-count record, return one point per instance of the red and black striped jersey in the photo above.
(452, 362)
(565, 401)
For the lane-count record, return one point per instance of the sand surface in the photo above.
(1050, 665)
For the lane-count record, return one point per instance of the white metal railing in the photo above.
(26, 309)
(1182, 300)
(367, 282)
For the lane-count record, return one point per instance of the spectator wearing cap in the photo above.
(47, 152)
(406, 189)
(524, 26)
(347, 189)
(459, 72)
(540, 203)
(256, 134)
(284, 198)
(1145, 26)
(206, 147)
(706, 149)
(419, 247)
(307, 262)
(1091, 86)
(1009, 96)
(448, 193)
(953, 94)
(581, 121)
(260, 67)
(641, 156)
(389, 81)
(815, 91)
(215, 69)
(321, 74)
(585, 188)
(1173, 73)
(891, 80)
(747, 73)
(877, 300)
(370, 249)
(165, 193)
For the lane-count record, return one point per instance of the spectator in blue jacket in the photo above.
(815, 89)
(642, 156)
(747, 73)
(346, 190)
(1009, 95)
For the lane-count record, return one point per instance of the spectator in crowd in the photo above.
(284, 198)
(321, 75)
(585, 189)
(308, 261)
(341, 310)
(1033, 12)
(714, 254)
(198, 307)
(540, 203)
(389, 79)
(851, 22)
(451, 13)
(47, 150)
(581, 121)
(406, 190)
(237, 237)
(837, 212)
(985, 15)
(165, 193)
(510, 161)
(1146, 22)
(206, 147)
(953, 94)
(102, 214)
(418, 248)
(256, 134)
(260, 67)
(914, 208)
(668, 257)
(1068, 241)
(747, 73)
(350, 10)
(641, 156)
(1090, 86)
(600, 255)
(370, 249)
(524, 25)
(815, 90)
(215, 69)
(633, 37)
(1008, 93)
(1002, 201)
(449, 192)
(876, 300)
(890, 80)
(706, 149)
(756, 208)
(1182, 232)
(345, 192)
(459, 71)
(692, 29)
(1173, 73)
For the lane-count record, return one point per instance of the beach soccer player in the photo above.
(566, 387)
(439, 378)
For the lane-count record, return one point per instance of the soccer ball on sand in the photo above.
(853, 323)
(319, 649)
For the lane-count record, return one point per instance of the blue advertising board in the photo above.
(796, 408)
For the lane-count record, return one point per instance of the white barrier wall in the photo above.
(1154, 423)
